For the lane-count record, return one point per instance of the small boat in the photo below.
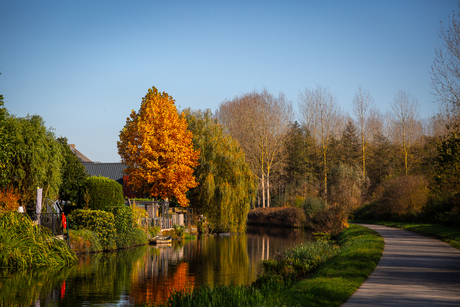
(161, 240)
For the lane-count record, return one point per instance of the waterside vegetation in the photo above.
(24, 245)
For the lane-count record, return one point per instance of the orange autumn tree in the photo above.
(158, 150)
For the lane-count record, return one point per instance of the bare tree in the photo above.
(445, 70)
(405, 109)
(320, 113)
(362, 107)
(260, 122)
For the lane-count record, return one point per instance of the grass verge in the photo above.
(330, 284)
(448, 235)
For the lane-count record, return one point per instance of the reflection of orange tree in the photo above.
(159, 289)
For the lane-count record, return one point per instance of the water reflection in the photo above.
(148, 273)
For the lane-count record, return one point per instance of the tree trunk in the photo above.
(263, 191)
(364, 155)
(268, 190)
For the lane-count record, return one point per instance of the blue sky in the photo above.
(83, 65)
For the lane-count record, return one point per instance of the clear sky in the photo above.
(83, 65)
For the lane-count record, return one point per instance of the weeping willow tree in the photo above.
(226, 184)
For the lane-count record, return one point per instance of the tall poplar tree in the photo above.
(158, 150)
(406, 108)
(320, 113)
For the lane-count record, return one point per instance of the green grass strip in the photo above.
(448, 235)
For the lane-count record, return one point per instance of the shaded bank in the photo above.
(278, 216)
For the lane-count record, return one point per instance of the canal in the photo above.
(149, 273)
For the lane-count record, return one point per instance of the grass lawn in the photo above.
(446, 234)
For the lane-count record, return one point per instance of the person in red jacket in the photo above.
(64, 222)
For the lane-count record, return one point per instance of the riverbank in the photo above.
(330, 284)
(448, 235)
(277, 217)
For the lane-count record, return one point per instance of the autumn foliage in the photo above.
(9, 201)
(157, 148)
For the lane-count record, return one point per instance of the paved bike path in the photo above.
(414, 271)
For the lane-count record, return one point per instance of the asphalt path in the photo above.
(414, 271)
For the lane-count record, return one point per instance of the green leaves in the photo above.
(73, 174)
(32, 158)
(104, 193)
(226, 184)
(447, 172)
(101, 222)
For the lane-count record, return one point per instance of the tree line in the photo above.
(292, 158)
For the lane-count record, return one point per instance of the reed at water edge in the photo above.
(25, 245)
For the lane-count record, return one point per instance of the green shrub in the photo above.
(101, 222)
(136, 236)
(179, 230)
(103, 193)
(123, 223)
(153, 231)
(312, 205)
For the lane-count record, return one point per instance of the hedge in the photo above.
(102, 193)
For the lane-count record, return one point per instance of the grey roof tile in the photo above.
(113, 171)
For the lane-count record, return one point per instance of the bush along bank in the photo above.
(282, 216)
(324, 273)
(312, 213)
(96, 230)
(26, 245)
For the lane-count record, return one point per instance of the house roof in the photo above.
(110, 170)
(79, 155)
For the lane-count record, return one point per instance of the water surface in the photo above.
(149, 273)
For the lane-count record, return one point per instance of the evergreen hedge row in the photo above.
(103, 193)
